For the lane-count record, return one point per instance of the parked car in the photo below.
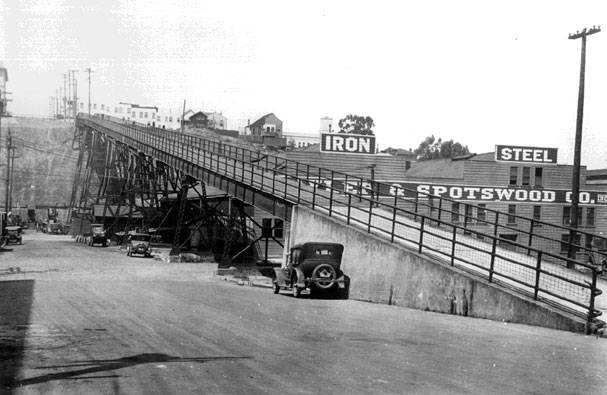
(315, 266)
(14, 235)
(139, 243)
(98, 235)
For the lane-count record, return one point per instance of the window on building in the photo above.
(103, 106)
(481, 213)
(513, 175)
(567, 216)
(170, 119)
(537, 214)
(565, 243)
(266, 227)
(589, 216)
(140, 114)
(279, 226)
(468, 213)
(81, 106)
(506, 242)
(94, 106)
(454, 212)
(588, 239)
(538, 176)
(526, 175)
(511, 214)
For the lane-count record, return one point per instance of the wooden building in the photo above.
(537, 190)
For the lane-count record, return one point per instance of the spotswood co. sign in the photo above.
(347, 143)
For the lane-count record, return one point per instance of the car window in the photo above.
(323, 251)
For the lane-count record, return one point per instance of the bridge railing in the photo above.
(520, 232)
(477, 243)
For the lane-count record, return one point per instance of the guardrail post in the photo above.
(416, 204)
(530, 237)
(421, 235)
(273, 180)
(314, 196)
(594, 292)
(538, 269)
(370, 215)
(453, 241)
(394, 214)
(349, 207)
(493, 246)
(440, 211)
(299, 191)
(331, 193)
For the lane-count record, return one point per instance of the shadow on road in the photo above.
(104, 365)
(15, 306)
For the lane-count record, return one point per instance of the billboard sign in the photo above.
(347, 143)
(513, 153)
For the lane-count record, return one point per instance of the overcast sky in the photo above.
(478, 72)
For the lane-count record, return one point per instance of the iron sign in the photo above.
(347, 143)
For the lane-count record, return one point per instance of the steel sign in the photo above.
(512, 153)
(347, 143)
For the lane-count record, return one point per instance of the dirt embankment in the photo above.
(44, 162)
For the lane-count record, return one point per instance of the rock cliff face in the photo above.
(44, 162)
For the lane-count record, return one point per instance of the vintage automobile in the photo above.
(315, 266)
(98, 235)
(139, 243)
(13, 235)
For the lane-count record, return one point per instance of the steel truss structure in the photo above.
(125, 189)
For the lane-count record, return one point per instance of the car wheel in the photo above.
(324, 276)
(296, 291)
(275, 287)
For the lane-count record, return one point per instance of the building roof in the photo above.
(260, 121)
(437, 168)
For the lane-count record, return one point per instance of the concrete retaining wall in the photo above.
(389, 273)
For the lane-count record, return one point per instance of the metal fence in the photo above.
(479, 240)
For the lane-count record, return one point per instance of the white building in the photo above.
(299, 140)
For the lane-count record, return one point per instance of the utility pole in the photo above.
(88, 70)
(64, 96)
(8, 171)
(575, 188)
(73, 97)
(183, 120)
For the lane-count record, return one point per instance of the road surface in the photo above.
(84, 320)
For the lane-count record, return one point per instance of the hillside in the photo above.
(44, 163)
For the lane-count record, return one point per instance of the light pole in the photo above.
(575, 183)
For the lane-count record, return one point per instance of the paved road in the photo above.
(76, 319)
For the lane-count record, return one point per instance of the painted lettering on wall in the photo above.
(347, 143)
(511, 153)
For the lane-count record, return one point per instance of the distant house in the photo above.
(217, 120)
(267, 126)
(198, 120)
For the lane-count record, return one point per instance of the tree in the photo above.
(356, 124)
(431, 148)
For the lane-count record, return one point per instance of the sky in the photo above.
(478, 72)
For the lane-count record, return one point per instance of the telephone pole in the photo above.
(73, 97)
(9, 147)
(89, 71)
(575, 183)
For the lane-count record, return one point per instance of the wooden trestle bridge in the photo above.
(132, 176)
